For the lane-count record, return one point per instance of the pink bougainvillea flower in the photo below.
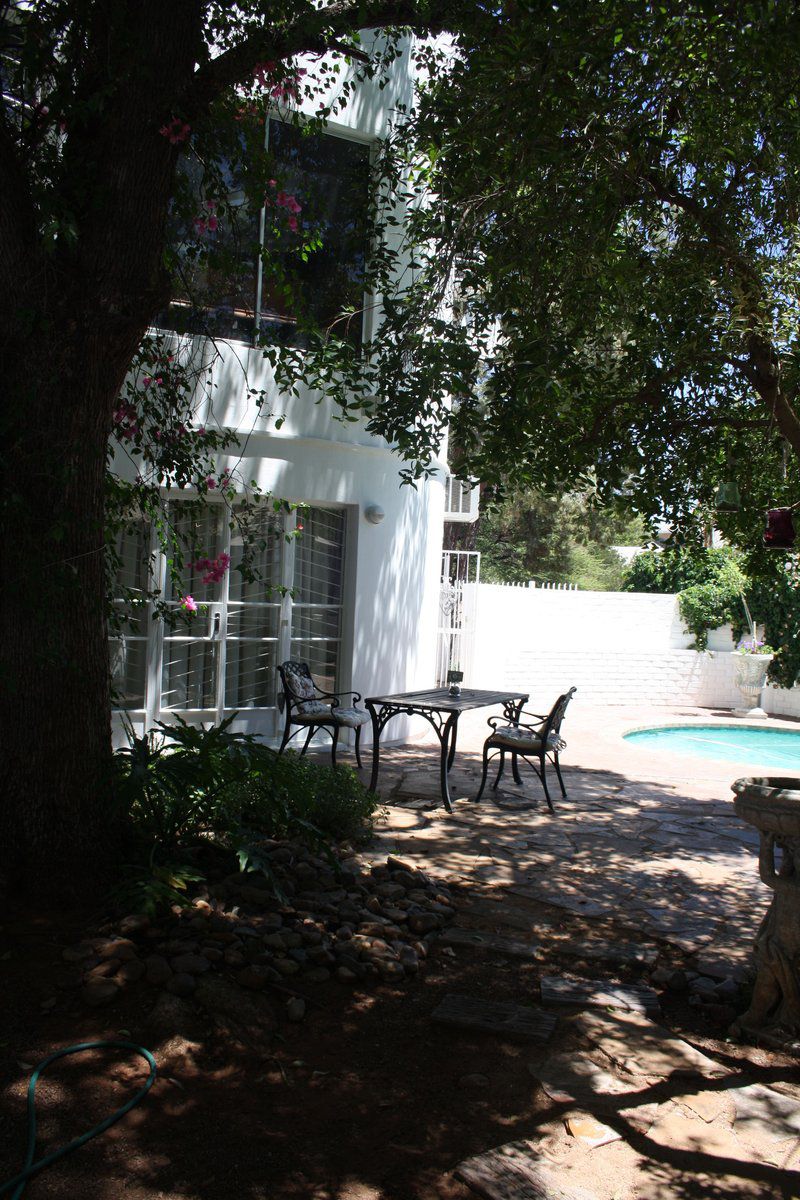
(211, 482)
(189, 604)
(200, 224)
(148, 379)
(176, 130)
(292, 223)
(213, 224)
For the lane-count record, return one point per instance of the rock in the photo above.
(390, 891)
(287, 966)
(346, 974)
(728, 989)
(295, 1008)
(317, 974)
(135, 923)
(253, 977)
(702, 985)
(397, 864)
(182, 984)
(121, 948)
(234, 958)
(104, 970)
(212, 953)
(130, 972)
(274, 941)
(157, 969)
(189, 964)
(423, 922)
(99, 991)
(589, 1131)
(390, 969)
(641, 1047)
(473, 1083)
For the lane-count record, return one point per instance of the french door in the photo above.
(224, 658)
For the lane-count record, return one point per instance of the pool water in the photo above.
(729, 743)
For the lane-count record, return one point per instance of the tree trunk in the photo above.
(58, 834)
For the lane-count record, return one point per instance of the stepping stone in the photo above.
(616, 952)
(641, 1047)
(760, 1112)
(495, 1016)
(561, 897)
(599, 994)
(480, 940)
(514, 1172)
(570, 1078)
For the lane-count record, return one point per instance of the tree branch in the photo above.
(316, 32)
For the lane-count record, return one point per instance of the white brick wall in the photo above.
(615, 647)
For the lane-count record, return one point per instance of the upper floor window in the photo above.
(297, 263)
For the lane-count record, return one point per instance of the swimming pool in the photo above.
(729, 743)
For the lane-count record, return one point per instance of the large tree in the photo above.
(101, 98)
(618, 190)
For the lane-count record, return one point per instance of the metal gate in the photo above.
(460, 569)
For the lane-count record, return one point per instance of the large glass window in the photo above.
(225, 657)
(316, 203)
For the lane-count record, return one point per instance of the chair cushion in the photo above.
(352, 717)
(311, 712)
(516, 737)
(301, 685)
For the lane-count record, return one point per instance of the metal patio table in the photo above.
(441, 710)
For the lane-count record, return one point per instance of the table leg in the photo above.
(376, 746)
(447, 733)
(452, 752)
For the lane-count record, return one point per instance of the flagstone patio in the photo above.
(646, 839)
(644, 862)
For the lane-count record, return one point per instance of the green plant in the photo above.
(175, 784)
(149, 888)
(708, 605)
(293, 796)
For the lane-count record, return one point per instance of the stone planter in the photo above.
(773, 806)
(751, 675)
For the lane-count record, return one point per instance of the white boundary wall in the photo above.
(615, 647)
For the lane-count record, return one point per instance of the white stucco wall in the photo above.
(393, 568)
(615, 647)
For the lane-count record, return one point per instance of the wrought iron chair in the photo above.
(310, 708)
(542, 742)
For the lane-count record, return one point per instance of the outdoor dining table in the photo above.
(441, 710)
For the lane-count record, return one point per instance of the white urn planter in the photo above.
(751, 675)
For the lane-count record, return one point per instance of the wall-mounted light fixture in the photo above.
(374, 514)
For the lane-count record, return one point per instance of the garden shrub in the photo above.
(288, 792)
(185, 789)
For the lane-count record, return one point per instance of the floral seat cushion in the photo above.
(304, 693)
(352, 717)
(517, 737)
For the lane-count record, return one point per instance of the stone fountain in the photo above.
(773, 806)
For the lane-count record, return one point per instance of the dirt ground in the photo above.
(366, 1099)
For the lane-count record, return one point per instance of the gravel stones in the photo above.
(367, 924)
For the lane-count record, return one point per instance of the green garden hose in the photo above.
(32, 1168)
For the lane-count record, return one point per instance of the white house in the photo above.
(364, 575)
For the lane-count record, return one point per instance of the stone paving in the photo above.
(647, 858)
(644, 842)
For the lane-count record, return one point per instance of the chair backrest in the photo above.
(299, 687)
(552, 725)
